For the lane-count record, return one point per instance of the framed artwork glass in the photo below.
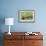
(26, 16)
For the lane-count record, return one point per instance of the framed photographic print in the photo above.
(26, 16)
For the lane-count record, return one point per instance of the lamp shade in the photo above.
(9, 21)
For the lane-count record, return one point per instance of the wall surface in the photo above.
(10, 8)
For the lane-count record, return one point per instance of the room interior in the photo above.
(10, 9)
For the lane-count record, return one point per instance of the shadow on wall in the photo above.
(2, 21)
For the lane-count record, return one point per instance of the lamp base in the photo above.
(9, 33)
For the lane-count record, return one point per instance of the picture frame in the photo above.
(26, 16)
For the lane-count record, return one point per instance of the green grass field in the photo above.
(26, 15)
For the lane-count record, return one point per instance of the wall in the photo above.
(9, 8)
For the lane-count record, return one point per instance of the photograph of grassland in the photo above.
(26, 15)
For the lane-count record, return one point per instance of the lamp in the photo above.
(9, 21)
